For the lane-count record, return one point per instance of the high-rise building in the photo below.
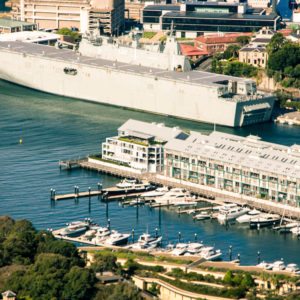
(107, 15)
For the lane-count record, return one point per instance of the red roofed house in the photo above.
(191, 52)
(217, 43)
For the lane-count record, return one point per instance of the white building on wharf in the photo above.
(139, 145)
(242, 165)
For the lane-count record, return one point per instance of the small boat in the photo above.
(146, 241)
(231, 213)
(293, 268)
(209, 253)
(264, 220)
(137, 201)
(151, 195)
(116, 239)
(185, 203)
(179, 249)
(194, 248)
(247, 217)
(204, 215)
(174, 196)
(295, 231)
(75, 229)
(265, 265)
(101, 235)
(126, 183)
(91, 232)
(278, 265)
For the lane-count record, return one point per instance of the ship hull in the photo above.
(133, 90)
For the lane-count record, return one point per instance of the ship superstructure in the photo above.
(193, 95)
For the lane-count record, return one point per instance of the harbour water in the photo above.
(53, 128)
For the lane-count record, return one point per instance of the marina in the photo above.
(68, 128)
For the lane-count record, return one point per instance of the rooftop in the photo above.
(8, 23)
(145, 130)
(226, 38)
(73, 58)
(28, 36)
(244, 152)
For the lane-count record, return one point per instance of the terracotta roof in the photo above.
(191, 50)
(286, 31)
(217, 39)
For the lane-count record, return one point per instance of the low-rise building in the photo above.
(140, 145)
(10, 25)
(9, 295)
(255, 53)
(192, 52)
(85, 15)
(37, 37)
(242, 165)
(216, 42)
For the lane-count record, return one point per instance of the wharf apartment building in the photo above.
(139, 145)
(241, 165)
(85, 15)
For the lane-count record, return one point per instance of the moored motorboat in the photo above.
(146, 241)
(246, 218)
(264, 220)
(293, 268)
(295, 230)
(180, 249)
(174, 196)
(278, 265)
(75, 229)
(202, 216)
(151, 195)
(194, 248)
(231, 213)
(137, 201)
(210, 253)
(117, 238)
(101, 235)
(265, 265)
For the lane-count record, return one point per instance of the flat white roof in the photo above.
(147, 130)
(245, 152)
(28, 36)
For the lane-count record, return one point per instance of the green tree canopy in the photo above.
(104, 262)
(243, 40)
(276, 43)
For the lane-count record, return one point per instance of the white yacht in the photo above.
(202, 216)
(174, 196)
(231, 213)
(293, 268)
(194, 248)
(209, 253)
(264, 220)
(101, 235)
(75, 229)
(126, 183)
(278, 265)
(116, 239)
(146, 241)
(137, 201)
(151, 195)
(248, 216)
(91, 232)
(180, 249)
(265, 266)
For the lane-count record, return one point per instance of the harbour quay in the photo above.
(243, 170)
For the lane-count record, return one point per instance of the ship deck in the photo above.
(69, 56)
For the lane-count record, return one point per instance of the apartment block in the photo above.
(139, 145)
(243, 165)
(106, 15)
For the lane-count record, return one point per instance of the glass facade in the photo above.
(185, 23)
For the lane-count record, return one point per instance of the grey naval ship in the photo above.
(157, 80)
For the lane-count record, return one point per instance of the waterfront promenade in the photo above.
(208, 194)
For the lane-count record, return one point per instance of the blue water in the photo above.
(283, 9)
(54, 128)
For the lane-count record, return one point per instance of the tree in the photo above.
(276, 43)
(125, 291)
(104, 262)
(243, 40)
(248, 281)
(228, 278)
(231, 52)
(20, 244)
(68, 32)
(79, 284)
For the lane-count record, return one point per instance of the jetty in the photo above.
(290, 118)
(207, 194)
